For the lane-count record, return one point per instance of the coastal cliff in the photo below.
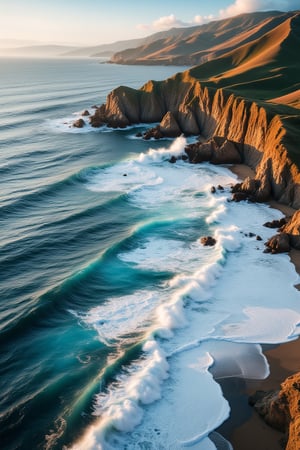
(266, 141)
(280, 409)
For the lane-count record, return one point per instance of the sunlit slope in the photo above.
(266, 69)
(198, 44)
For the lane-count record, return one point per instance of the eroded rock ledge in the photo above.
(281, 409)
(250, 133)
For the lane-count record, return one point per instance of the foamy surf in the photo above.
(208, 319)
(66, 125)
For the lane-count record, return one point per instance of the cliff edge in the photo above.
(267, 140)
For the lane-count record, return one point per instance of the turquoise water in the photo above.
(101, 264)
(54, 235)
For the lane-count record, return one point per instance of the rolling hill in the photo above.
(254, 55)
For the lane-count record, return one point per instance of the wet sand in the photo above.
(245, 429)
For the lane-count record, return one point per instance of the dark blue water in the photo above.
(111, 311)
(56, 241)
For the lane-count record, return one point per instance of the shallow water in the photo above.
(112, 312)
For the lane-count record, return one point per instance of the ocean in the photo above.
(116, 322)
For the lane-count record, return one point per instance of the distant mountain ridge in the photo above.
(196, 45)
(254, 55)
(188, 46)
(40, 50)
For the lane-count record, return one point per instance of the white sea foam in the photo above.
(120, 407)
(216, 310)
(169, 254)
(176, 149)
(121, 315)
(152, 183)
(174, 422)
(65, 124)
(125, 177)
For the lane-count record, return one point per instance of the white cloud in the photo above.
(245, 6)
(199, 20)
(237, 7)
(171, 21)
(166, 22)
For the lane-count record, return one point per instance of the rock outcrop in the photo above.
(169, 126)
(280, 243)
(288, 237)
(79, 123)
(292, 229)
(218, 150)
(208, 241)
(250, 133)
(281, 409)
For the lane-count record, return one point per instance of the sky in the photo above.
(94, 22)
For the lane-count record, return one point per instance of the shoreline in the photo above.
(245, 429)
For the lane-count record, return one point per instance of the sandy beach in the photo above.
(245, 429)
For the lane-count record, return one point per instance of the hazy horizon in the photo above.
(98, 23)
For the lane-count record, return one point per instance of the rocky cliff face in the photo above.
(261, 137)
(281, 409)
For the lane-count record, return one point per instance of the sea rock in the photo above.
(79, 123)
(153, 133)
(168, 127)
(281, 409)
(276, 223)
(280, 243)
(217, 150)
(208, 241)
(253, 189)
(85, 113)
(98, 118)
(213, 190)
(239, 197)
(199, 152)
